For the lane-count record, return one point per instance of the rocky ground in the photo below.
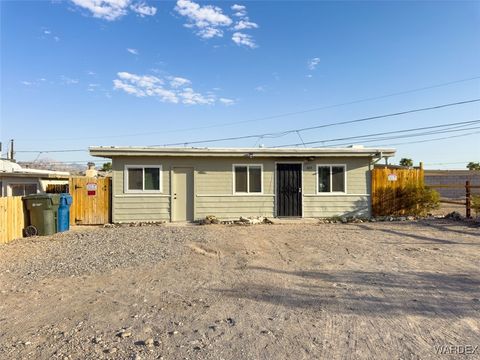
(394, 290)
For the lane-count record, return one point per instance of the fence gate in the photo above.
(386, 181)
(91, 200)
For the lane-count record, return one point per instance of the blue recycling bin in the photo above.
(64, 212)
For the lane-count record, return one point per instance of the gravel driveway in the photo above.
(329, 291)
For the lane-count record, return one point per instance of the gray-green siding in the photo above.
(213, 189)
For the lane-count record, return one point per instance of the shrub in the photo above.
(409, 200)
(424, 200)
(475, 204)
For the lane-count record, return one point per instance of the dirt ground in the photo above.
(329, 291)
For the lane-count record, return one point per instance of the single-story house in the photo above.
(18, 181)
(187, 184)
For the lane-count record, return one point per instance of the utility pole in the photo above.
(12, 152)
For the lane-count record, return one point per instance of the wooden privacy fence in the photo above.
(91, 200)
(468, 195)
(388, 185)
(12, 218)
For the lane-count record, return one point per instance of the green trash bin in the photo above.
(43, 213)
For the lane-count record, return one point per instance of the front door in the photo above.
(289, 190)
(182, 200)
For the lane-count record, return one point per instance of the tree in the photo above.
(107, 166)
(406, 162)
(473, 165)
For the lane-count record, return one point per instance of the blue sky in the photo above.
(128, 72)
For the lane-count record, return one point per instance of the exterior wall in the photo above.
(214, 195)
(6, 181)
(356, 201)
(452, 177)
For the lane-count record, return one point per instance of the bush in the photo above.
(409, 200)
(422, 200)
(475, 204)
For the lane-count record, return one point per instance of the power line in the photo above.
(430, 140)
(283, 133)
(409, 136)
(462, 123)
(271, 117)
(49, 151)
(279, 134)
(448, 163)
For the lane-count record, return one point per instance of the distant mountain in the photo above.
(50, 164)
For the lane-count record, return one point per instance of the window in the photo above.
(331, 178)
(143, 178)
(248, 178)
(23, 189)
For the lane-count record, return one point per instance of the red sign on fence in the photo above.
(91, 189)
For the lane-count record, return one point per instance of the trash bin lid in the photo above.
(36, 197)
(66, 199)
(55, 198)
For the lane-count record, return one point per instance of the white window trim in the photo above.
(248, 193)
(331, 187)
(143, 191)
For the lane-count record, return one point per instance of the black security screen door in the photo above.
(289, 190)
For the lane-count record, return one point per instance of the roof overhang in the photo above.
(120, 151)
(43, 176)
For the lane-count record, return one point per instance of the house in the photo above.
(186, 184)
(18, 181)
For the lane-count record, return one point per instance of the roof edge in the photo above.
(114, 151)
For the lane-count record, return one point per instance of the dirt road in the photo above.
(329, 291)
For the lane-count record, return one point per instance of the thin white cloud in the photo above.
(48, 34)
(243, 39)
(313, 63)
(207, 20)
(240, 10)
(68, 81)
(143, 9)
(114, 9)
(171, 89)
(177, 82)
(261, 88)
(92, 87)
(226, 101)
(245, 24)
(132, 51)
(36, 82)
(191, 97)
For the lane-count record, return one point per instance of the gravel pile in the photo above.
(97, 250)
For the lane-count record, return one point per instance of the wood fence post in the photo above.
(468, 199)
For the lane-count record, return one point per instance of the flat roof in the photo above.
(42, 176)
(355, 151)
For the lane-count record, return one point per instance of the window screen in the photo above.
(255, 179)
(241, 179)
(152, 179)
(338, 178)
(23, 189)
(143, 178)
(135, 179)
(331, 178)
(248, 178)
(324, 179)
